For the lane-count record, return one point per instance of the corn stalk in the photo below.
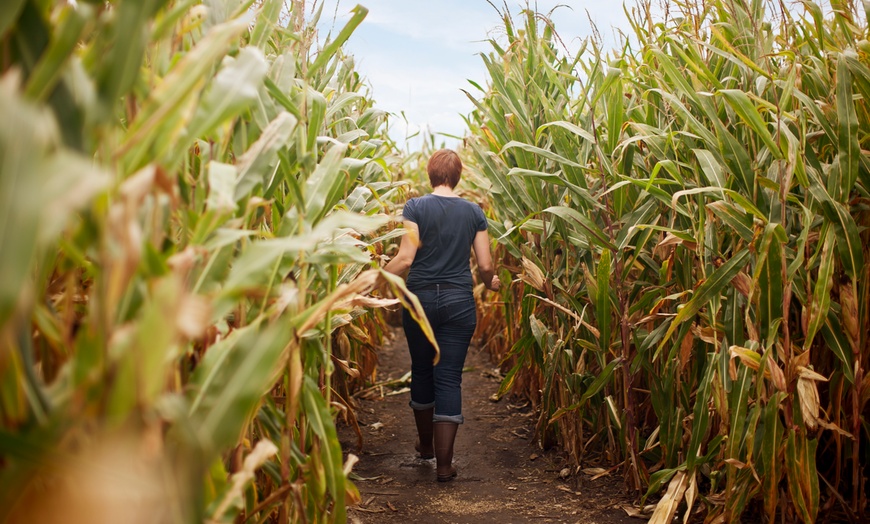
(689, 217)
(191, 194)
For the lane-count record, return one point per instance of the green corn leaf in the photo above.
(9, 12)
(573, 128)
(744, 107)
(257, 165)
(736, 158)
(603, 306)
(326, 54)
(539, 152)
(228, 387)
(554, 178)
(615, 109)
(316, 115)
(710, 289)
(701, 420)
(268, 18)
(821, 299)
(769, 277)
(849, 242)
(710, 167)
(232, 90)
(592, 231)
(603, 378)
(319, 419)
(838, 343)
(52, 63)
(771, 446)
(323, 183)
(120, 69)
(802, 476)
(175, 90)
(695, 125)
(27, 136)
(740, 221)
(847, 131)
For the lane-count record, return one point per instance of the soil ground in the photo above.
(503, 476)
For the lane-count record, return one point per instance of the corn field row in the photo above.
(194, 197)
(191, 198)
(689, 219)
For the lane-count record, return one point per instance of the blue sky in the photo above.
(418, 55)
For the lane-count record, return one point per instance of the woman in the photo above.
(443, 229)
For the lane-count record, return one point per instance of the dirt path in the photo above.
(503, 476)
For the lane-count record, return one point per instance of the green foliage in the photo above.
(697, 206)
(187, 197)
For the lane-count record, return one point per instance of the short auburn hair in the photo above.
(444, 168)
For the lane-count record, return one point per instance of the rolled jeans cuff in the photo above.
(458, 419)
(420, 407)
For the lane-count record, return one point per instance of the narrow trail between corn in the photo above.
(503, 476)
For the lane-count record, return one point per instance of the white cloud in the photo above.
(417, 55)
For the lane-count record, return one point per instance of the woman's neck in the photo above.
(444, 190)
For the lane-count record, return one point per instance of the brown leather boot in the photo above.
(444, 436)
(423, 418)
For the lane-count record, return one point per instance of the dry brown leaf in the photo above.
(809, 374)
(135, 187)
(350, 463)
(708, 334)
(691, 494)
(345, 366)
(808, 395)
(849, 314)
(640, 513)
(182, 262)
(667, 506)
(742, 283)
(776, 374)
(864, 391)
(835, 428)
(373, 302)
(532, 275)
(262, 452)
(748, 357)
(686, 349)
(566, 489)
(193, 316)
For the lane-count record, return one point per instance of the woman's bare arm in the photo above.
(400, 263)
(485, 268)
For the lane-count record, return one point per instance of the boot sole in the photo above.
(424, 456)
(447, 478)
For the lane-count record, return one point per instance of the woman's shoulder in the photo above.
(472, 204)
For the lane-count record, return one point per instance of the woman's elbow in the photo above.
(400, 264)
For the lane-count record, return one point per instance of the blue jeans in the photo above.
(453, 317)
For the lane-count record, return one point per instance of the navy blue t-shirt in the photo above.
(447, 226)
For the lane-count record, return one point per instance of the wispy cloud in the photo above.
(417, 55)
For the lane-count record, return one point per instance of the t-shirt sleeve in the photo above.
(480, 223)
(409, 212)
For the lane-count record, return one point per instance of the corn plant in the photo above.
(688, 215)
(189, 192)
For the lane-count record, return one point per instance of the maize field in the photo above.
(196, 197)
